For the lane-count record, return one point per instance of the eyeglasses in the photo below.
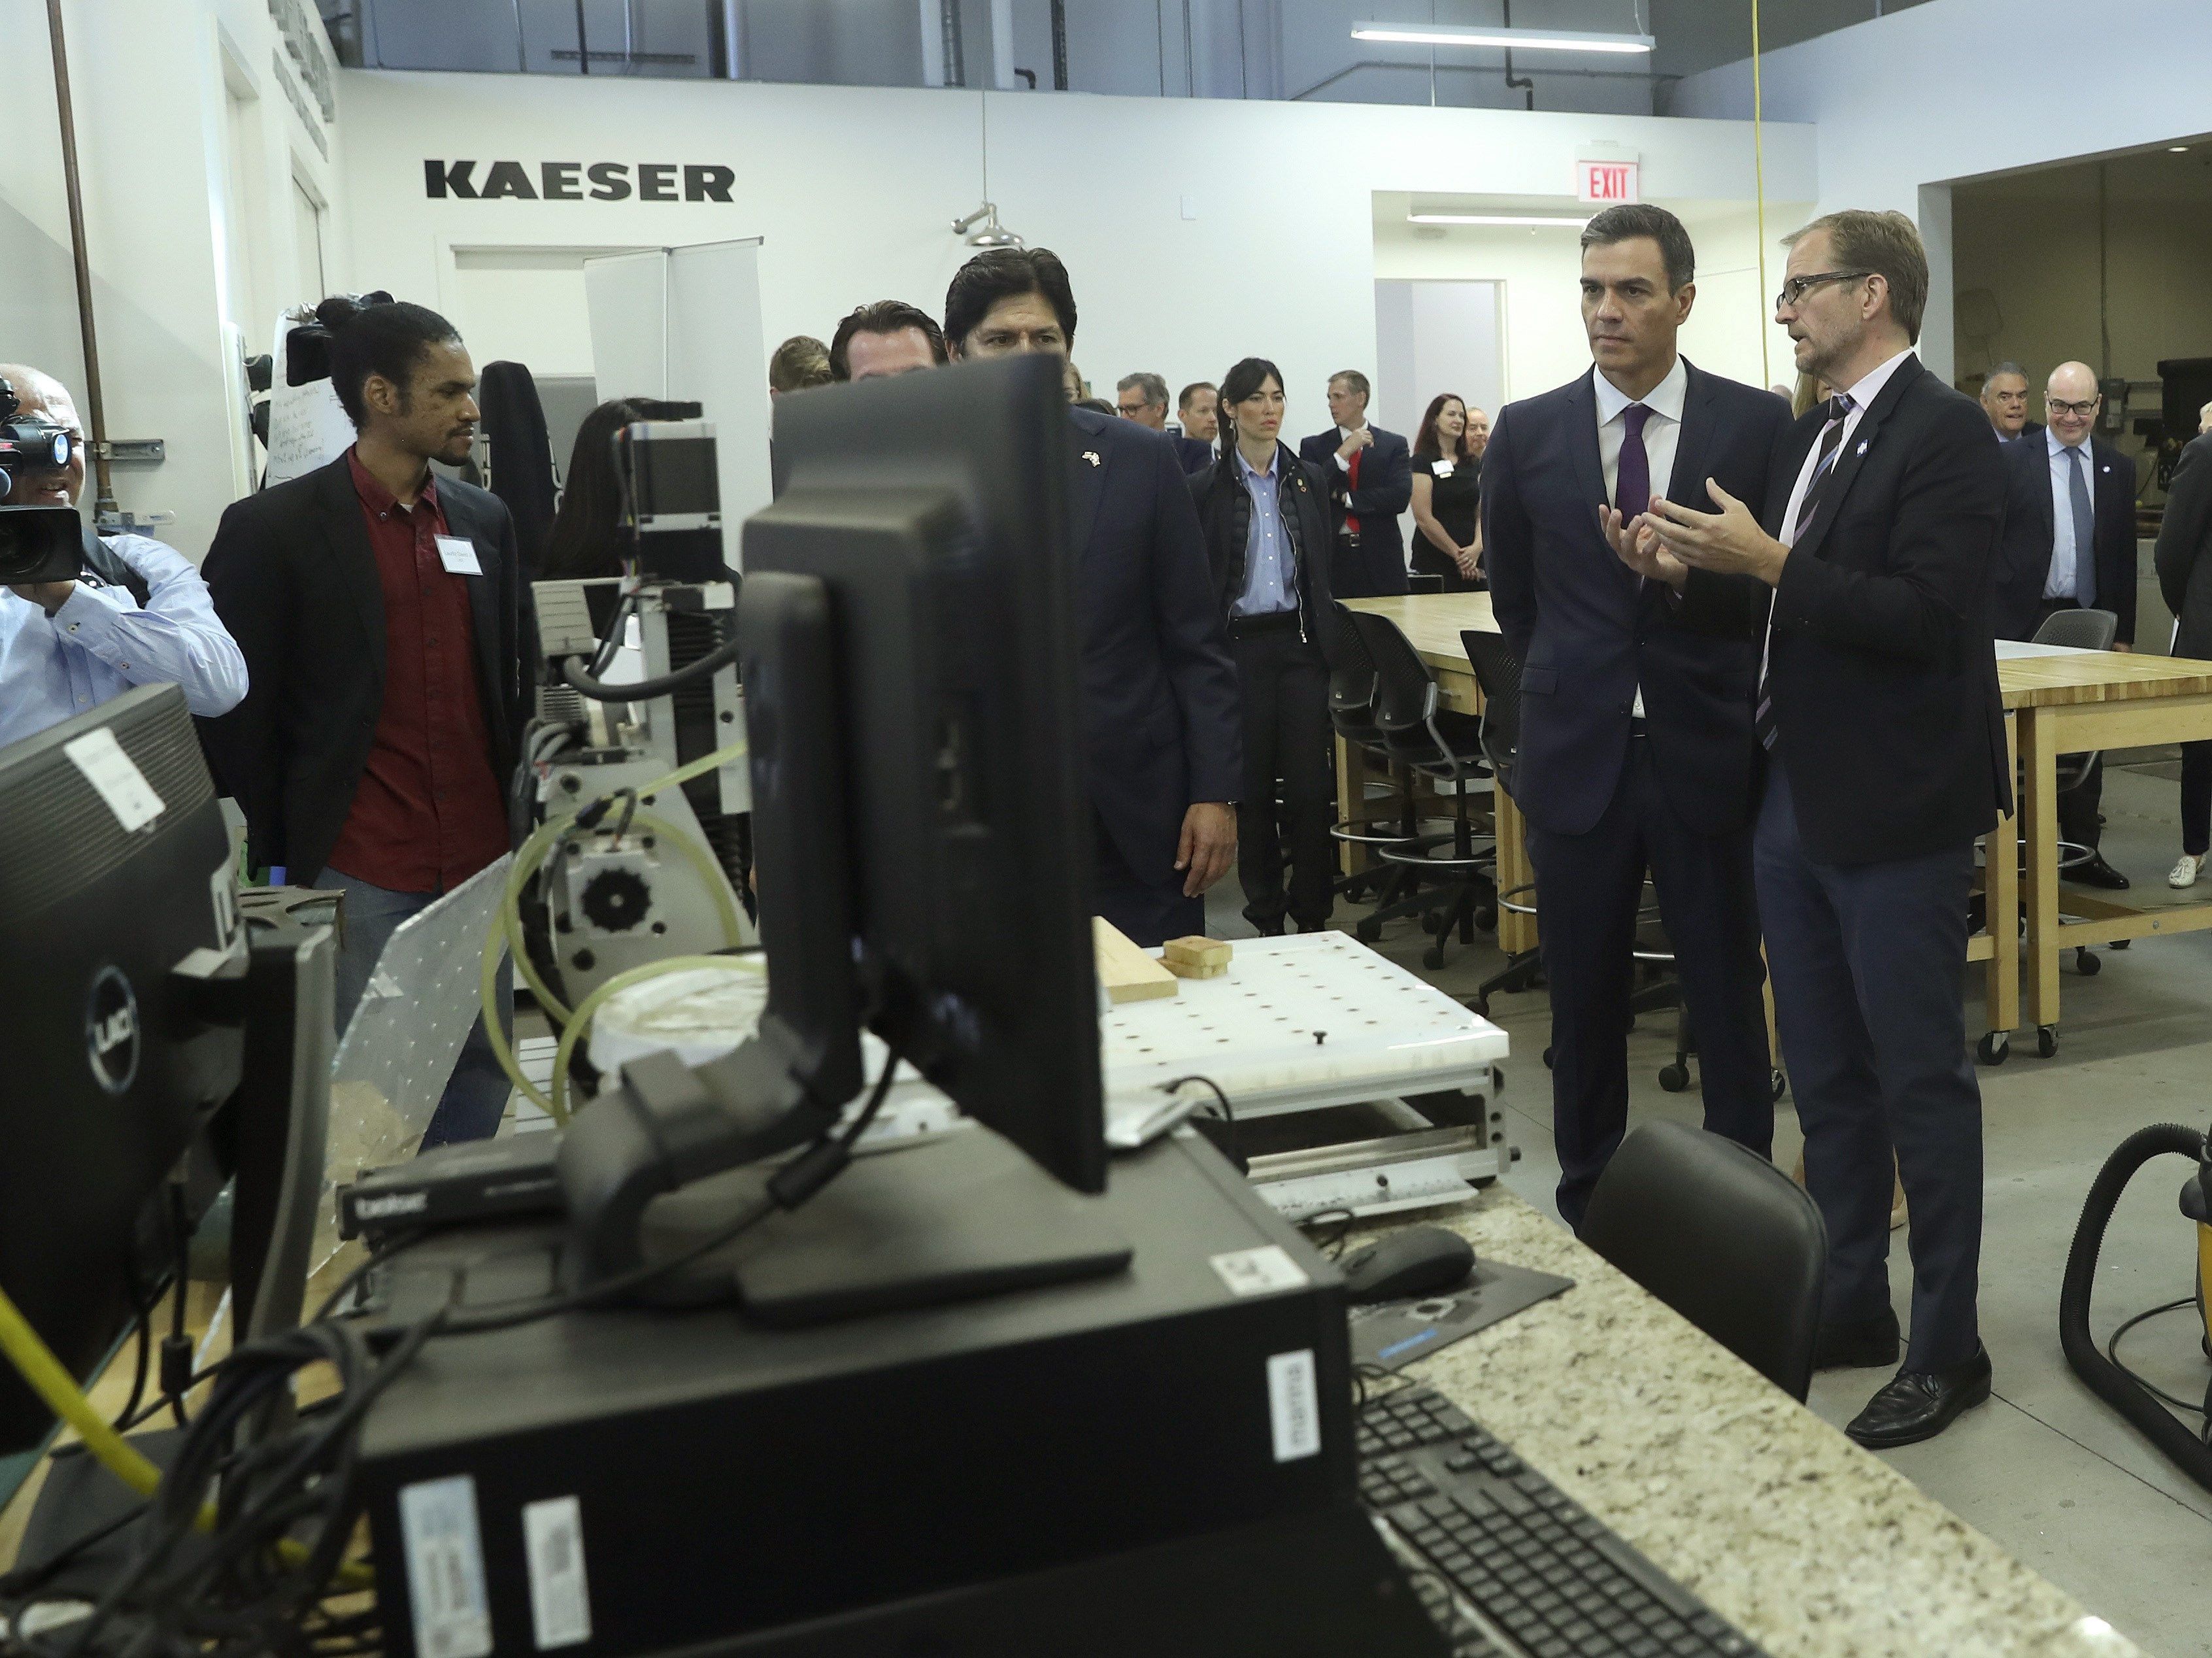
(1794, 290)
(2079, 411)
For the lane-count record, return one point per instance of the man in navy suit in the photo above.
(1879, 712)
(1161, 722)
(1199, 409)
(1636, 741)
(1371, 482)
(2069, 543)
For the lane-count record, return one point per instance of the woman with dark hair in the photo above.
(584, 541)
(1269, 536)
(1447, 496)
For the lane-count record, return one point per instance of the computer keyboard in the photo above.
(1548, 1581)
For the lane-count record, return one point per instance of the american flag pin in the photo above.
(1091, 455)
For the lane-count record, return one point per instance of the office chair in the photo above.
(1721, 1236)
(1435, 742)
(1498, 672)
(2077, 630)
(1352, 716)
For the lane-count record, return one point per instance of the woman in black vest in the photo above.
(1268, 539)
(1447, 496)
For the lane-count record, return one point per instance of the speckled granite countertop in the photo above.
(1813, 1547)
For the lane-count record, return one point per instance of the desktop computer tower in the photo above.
(1113, 1465)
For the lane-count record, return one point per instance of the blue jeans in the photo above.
(476, 1094)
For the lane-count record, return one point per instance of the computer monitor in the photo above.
(121, 1019)
(932, 511)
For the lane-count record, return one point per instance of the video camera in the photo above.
(37, 544)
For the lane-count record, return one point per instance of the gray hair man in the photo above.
(2004, 399)
(1143, 398)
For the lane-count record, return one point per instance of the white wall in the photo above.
(851, 190)
(165, 157)
(1955, 88)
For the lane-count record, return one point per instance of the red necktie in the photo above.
(1352, 519)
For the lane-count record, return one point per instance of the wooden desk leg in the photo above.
(2040, 823)
(2000, 899)
(1516, 933)
(1351, 800)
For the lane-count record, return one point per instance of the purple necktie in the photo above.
(1632, 490)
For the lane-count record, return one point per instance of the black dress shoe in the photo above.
(1919, 1405)
(1860, 1344)
(2097, 873)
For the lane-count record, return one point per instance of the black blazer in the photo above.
(2024, 554)
(1194, 454)
(2184, 538)
(295, 580)
(1377, 565)
(1884, 682)
(1224, 516)
(1589, 633)
(1160, 714)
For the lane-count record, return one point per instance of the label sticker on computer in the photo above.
(1259, 1272)
(222, 887)
(445, 1568)
(116, 778)
(1294, 1405)
(560, 1598)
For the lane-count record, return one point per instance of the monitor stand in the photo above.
(951, 1218)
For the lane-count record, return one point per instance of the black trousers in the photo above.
(1588, 887)
(1870, 965)
(1149, 913)
(2197, 797)
(1282, 681)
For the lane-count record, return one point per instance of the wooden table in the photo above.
(2073, 704)
(1434, 621)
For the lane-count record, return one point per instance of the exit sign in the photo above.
(1605, 183)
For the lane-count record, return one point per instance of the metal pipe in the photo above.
(583, 47)
(1644, 76)
(956, 66)
(1524, 82)
(1059, 45)
(1189, 62)
(104, 504)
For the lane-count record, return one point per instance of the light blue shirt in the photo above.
(2059, 583)
(1270, 585)
(100, 644)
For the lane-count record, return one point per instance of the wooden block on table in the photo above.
(1194, 970)
(1126, 973)
(1196, 951)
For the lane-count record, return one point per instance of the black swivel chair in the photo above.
(1381, 822)
(1721, 1236)
(2079, 630)
(1498, 672)
(1446, 746)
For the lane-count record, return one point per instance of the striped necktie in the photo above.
(1824, 468)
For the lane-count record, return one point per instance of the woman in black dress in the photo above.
(1447, 492)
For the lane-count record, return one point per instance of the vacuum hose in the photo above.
(2111, 1383)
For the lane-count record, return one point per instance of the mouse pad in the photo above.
(1393, 1334)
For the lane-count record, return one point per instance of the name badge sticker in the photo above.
(458, 555)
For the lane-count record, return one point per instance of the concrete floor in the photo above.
(2046, 1469)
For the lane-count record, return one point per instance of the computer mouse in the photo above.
(1419, 1260)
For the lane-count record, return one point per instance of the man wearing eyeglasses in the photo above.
(2070, 544)
(2004, 399)
(1878, 715)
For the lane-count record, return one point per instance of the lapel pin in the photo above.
(1862, 446)
(1091, 455)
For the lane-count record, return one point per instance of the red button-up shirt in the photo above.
(428, 813)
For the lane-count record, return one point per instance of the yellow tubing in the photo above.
(592, 1004)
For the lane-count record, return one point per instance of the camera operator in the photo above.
(69, 646)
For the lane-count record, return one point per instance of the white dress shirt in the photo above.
(2059, 583)
(1663, 435)
(1343, 437)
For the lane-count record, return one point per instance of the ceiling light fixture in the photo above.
(1512, 40)
(2177, 149)
(1496, 218)
(982, 229)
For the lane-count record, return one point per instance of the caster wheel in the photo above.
(1369, 933)
(1485, 921)
(2088, 963)
(2046, 1041)
(1433, 957)
(1994, 1047)
(1432, 921)
(1675, 1079)
(2119, 943)
(1481, 1005)
(1780, 1085)
(1547, 1059)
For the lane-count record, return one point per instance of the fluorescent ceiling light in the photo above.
(1513, 39)
(1495, 218)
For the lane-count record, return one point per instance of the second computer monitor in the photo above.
(933, 509)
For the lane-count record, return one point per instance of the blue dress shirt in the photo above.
(1270, 584)
(100, 643)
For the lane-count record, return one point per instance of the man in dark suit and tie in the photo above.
(1878, 709)
(2069, 543)
(379, 608)
(1199, 411)
(1371, 482)
(1636, 740)
(1161, 723)
(2004, 399)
